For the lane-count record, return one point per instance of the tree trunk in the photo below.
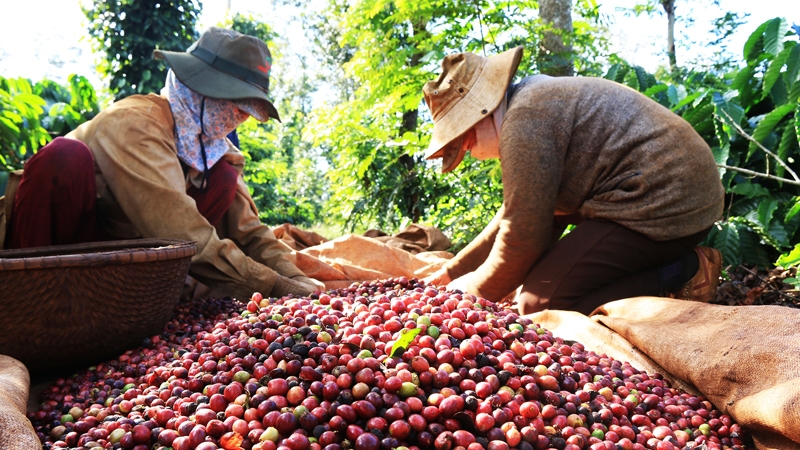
(410, 117)
(409, 123)
(555, 56)
(669, 8)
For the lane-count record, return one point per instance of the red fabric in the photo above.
(55, 200)
(600, 261)
(219, 194)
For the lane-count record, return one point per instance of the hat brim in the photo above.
(207, 81)
(481, 100)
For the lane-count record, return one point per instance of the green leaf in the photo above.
(778, 234)
(697, 116)
(751, 249)
(797, 122)
(774, 36)
(743, 78)
(727, 242)
(721, 157)
(794, 282)
(766, 125)
(406, 338)
(641, 76)
(792, 67)
(755, 43)
(788, 146)
(620, 73)
(766, 209)
(794, 209)
(672, 94)
(750, 190)
(611, 74)
(696, 96)
(773, 73)
(653, 90)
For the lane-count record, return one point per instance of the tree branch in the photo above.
(765, 149)
(759, 174)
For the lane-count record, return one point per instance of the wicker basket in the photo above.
(68, 306)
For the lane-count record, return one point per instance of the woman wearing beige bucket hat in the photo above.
(160, 166)
(640, 184)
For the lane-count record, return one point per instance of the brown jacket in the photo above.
(141, 192)
(597, 149)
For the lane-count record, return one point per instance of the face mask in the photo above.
(487, 143)
(452, 154)
(487, 134)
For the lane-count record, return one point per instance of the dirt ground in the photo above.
(749, 286)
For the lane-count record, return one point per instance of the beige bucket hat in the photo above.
(228, 65)
(469, 88)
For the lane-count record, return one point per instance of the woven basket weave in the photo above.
(66, 306)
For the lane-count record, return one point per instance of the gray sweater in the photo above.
(596, 149)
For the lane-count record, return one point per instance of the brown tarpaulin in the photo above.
(744, 359)
(296, 238)
(415, 238)
(16, 431)
(352, 258)
(416, 251)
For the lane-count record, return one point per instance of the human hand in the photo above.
(462, 283)
(318, 285)
(298, 285)
(438, 278)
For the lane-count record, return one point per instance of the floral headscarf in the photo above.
(219, 117)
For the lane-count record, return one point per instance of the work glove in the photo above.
(297, 285)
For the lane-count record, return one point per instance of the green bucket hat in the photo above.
(225, 64)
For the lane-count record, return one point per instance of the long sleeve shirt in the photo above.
(595, 149)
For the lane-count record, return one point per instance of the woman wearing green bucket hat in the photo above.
(160, 166)
(638, 182)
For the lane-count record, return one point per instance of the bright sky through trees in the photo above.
(46, 38)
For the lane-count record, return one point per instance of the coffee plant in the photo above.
(750, 119)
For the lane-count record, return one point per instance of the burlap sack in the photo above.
(297, 238)
(352, 258)
(16, 431)
(415, 238)
(344, 261)
(744, 359)
(574, 326)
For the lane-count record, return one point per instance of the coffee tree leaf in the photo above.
(406, 338)
(653, 90)
(774, 36)
(727, 242)
(797, 119)
(789, 259)
(778, 235)
(641, 77)
(691, 98)
(750, 248)
(791, 219)
(792, 67)
(767, 124)
(773, 73)
(750, 190)
(766, 210)
(787, 147)
(755, 43)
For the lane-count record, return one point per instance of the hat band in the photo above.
(231, 68)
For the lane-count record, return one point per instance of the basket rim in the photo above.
(97, 254)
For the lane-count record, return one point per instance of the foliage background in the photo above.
(354, 162)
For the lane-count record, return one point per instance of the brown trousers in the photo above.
(600, 261)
